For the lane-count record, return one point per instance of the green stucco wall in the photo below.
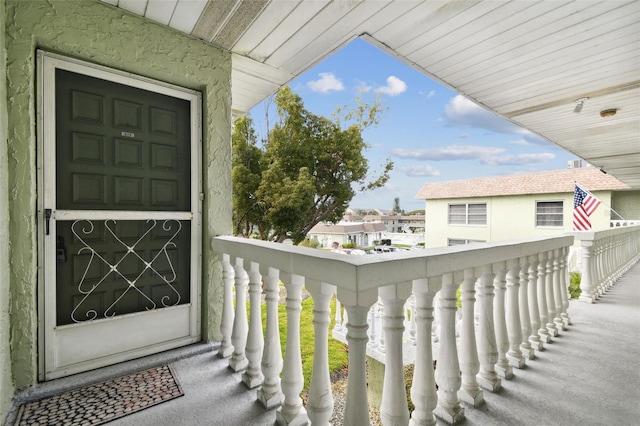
(6, 380)
(626, 204)
(96, 32)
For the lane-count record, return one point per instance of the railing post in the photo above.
(356, 411)
(514, 330)
(586, 282)
(238, 360)
(487, 347)
(470, 391)
(252, 376)
(270, 394)
(291, 412)
(545, 337)
(534, 311)
(423, 387)
(551, 304)
(412, 319)
(557, 290)
(525, 320)
(320, 401)
(373, 338)
(337, 326)
(448, 369)
(394, 408)
(226, 323)
(503, 368)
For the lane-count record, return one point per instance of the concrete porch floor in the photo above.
(589, 375)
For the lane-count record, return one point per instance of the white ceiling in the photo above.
(528, 61)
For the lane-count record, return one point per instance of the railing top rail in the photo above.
(595, 235)
(361, 273)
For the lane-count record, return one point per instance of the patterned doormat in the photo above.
(103, 402)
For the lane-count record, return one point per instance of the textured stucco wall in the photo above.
(6, 380)
(627, 204)
(99, 33)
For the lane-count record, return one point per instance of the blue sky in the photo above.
(431, 133)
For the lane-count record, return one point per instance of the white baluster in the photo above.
(252, 376)
(487, 346)
(320, 401)
(557, 291)
(394, 409)
(551, 303)
(356, 411)
(379, 306)
(337, 326)
(525, 319)
(373, 343)
(545, 337)
(238, 360)
(502, 367)
(270, 394)
(586, 281)
(412, 320)
(534, 311)
(423, 387)
(514, 329)
(291, 412)
(226, 322)
(448, 369)
(564, 282)
(469, 363)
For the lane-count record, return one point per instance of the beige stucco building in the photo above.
(518, 206)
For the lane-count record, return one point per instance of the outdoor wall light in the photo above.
(608, 112)
(579, 105)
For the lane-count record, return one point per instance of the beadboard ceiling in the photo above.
(528, 61)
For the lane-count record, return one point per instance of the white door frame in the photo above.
(62, 349)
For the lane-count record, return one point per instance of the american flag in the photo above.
(584, 203)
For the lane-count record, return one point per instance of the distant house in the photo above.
(520, 206)
(410, 224)
(362, 234)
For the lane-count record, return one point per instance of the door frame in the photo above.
(47, 63)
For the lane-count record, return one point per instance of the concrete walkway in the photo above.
(589, 375)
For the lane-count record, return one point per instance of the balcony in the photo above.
(526, 354)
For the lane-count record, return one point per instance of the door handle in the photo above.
(47, 218)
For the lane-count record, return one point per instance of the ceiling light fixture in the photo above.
(608, 112)
(579, 105)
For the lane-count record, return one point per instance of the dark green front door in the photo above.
(120, 217)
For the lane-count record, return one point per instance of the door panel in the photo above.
(120, 245)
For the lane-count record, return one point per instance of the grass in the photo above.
(574, 284)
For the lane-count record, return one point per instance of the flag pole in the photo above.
(602, 202)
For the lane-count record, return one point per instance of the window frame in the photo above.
(538, 214)
(467, 214)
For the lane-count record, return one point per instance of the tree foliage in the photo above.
(308, 170)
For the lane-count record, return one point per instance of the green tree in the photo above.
(311, 167)
(396, 206)
(246, 175)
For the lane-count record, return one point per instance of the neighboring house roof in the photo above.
(347, 228)
(556, 181)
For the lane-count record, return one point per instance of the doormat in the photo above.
(103, 402)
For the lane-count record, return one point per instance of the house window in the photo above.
(549, 213)
(459, 242)
(468, 214)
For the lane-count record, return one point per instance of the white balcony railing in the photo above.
(606, 255)
(522, 301)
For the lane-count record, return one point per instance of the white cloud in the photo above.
(326, 83)
(521, 142)
(421, 170)
(363, 87)
(518, 159)
(485, 155)
(461, 112)
(463, 136)
(394, 86)
(452, 152)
